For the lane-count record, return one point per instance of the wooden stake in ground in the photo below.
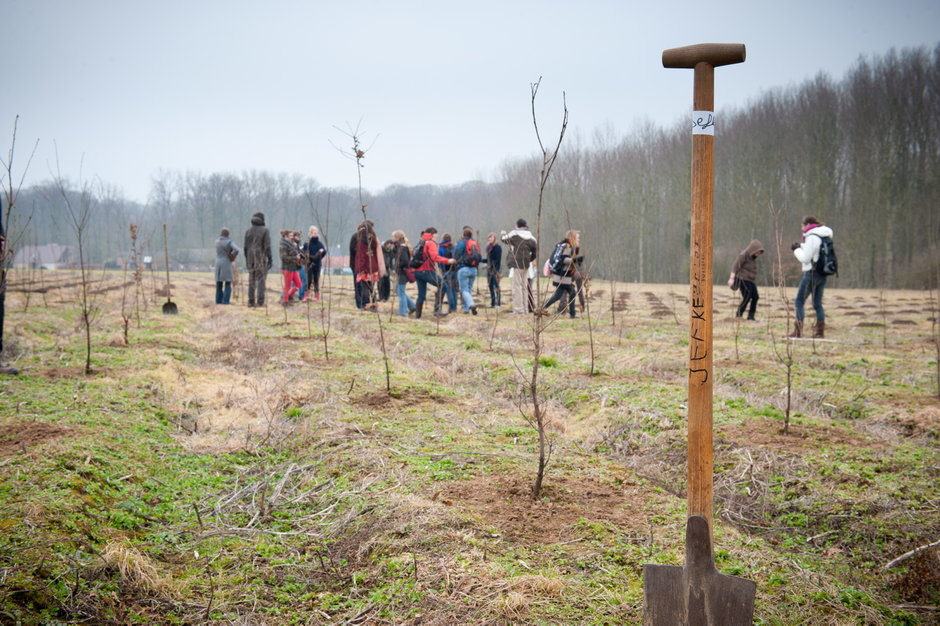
(696, 593)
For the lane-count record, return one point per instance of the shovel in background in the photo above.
(697, 593)
(169, 307)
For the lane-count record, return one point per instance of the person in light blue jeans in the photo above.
(401, 259)
(467, 256)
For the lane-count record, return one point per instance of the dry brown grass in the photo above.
(138, 570)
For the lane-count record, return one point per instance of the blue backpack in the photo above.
(557, 261)
(826, 264)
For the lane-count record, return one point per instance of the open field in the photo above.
(219, 466)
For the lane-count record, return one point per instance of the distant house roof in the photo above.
(333, 261)
(50, 254)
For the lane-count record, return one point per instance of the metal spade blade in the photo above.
(696, 594)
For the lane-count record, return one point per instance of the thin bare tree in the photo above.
(79, 214)
(358, 155)
(8, 238)
(326, 300)
(783, 355)
(539, 418)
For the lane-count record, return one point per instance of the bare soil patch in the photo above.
(20, 436)
(767, 433)
(505, 502)
(382, 398)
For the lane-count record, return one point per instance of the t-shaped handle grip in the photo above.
(714, 54)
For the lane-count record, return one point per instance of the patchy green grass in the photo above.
(221, 467)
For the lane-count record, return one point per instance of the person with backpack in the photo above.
(467, 256)
(401, 261)
(523, 248)
(813, 282)
(578, 282)
(425, 257)
(562, 265)
(744, 272)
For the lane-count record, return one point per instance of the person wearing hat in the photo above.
(257, 258)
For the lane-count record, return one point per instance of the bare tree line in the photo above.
(862, 153)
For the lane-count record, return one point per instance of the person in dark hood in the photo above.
(257, 250)
(744, 272)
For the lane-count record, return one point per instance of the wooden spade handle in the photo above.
(703, 58)
(714, 54)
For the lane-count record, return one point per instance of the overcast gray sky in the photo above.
(438, 89)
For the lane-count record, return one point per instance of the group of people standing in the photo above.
(300, 263)
(452, 268)
(812, 282)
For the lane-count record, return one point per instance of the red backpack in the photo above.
(471, 254)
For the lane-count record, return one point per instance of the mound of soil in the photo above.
(505, 502)
(20, 436)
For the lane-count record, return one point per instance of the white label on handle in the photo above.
(703, 122)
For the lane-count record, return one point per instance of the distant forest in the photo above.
(861, 153)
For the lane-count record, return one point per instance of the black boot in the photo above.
(418, 307)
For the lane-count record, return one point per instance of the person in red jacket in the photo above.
(369, 265)
(426, 273)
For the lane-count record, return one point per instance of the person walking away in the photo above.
(744, 270)
(563, 273)
(257, 258)
(370, 265)
(315, 253)
(290, 265)
(401, 259)
(225, 254)
(522, 252)
(426, 273)
(467, 257)
(494, 267)
(812, 283)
